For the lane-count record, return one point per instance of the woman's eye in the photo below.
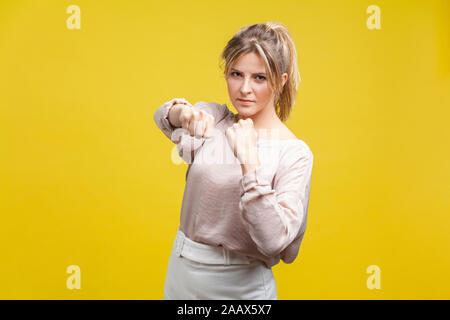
(238, 74)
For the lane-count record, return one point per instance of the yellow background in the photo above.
(86, 177)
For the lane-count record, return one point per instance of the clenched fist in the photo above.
(198, 123)
(242, 138)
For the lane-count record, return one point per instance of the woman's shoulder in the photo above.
(288, 141)
(301, 144)
(295, 150)
(296, 147)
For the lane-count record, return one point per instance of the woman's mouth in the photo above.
(244, 101)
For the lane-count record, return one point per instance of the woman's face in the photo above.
(247, 80)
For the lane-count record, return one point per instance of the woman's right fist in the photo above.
(197, 122)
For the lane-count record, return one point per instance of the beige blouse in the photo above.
(261, 214)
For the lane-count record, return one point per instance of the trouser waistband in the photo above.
(207, 254)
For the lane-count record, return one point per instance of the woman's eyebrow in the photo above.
(233, 69)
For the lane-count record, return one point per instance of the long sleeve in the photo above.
(276, 217)
(187, 145)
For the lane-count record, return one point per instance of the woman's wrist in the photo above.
(246, 168)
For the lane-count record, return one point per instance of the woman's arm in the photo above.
(276, 216)
(167, 118)
(161, 117)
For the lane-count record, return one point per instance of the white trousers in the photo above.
(197, 271)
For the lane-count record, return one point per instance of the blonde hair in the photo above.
(273, 43)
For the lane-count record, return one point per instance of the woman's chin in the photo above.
(245, 111)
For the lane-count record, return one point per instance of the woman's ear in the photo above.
(284, 77)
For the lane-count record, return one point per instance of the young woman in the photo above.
(246, 198)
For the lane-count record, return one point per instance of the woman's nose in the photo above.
(245, 86)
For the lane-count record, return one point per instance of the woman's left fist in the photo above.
(242, 138)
